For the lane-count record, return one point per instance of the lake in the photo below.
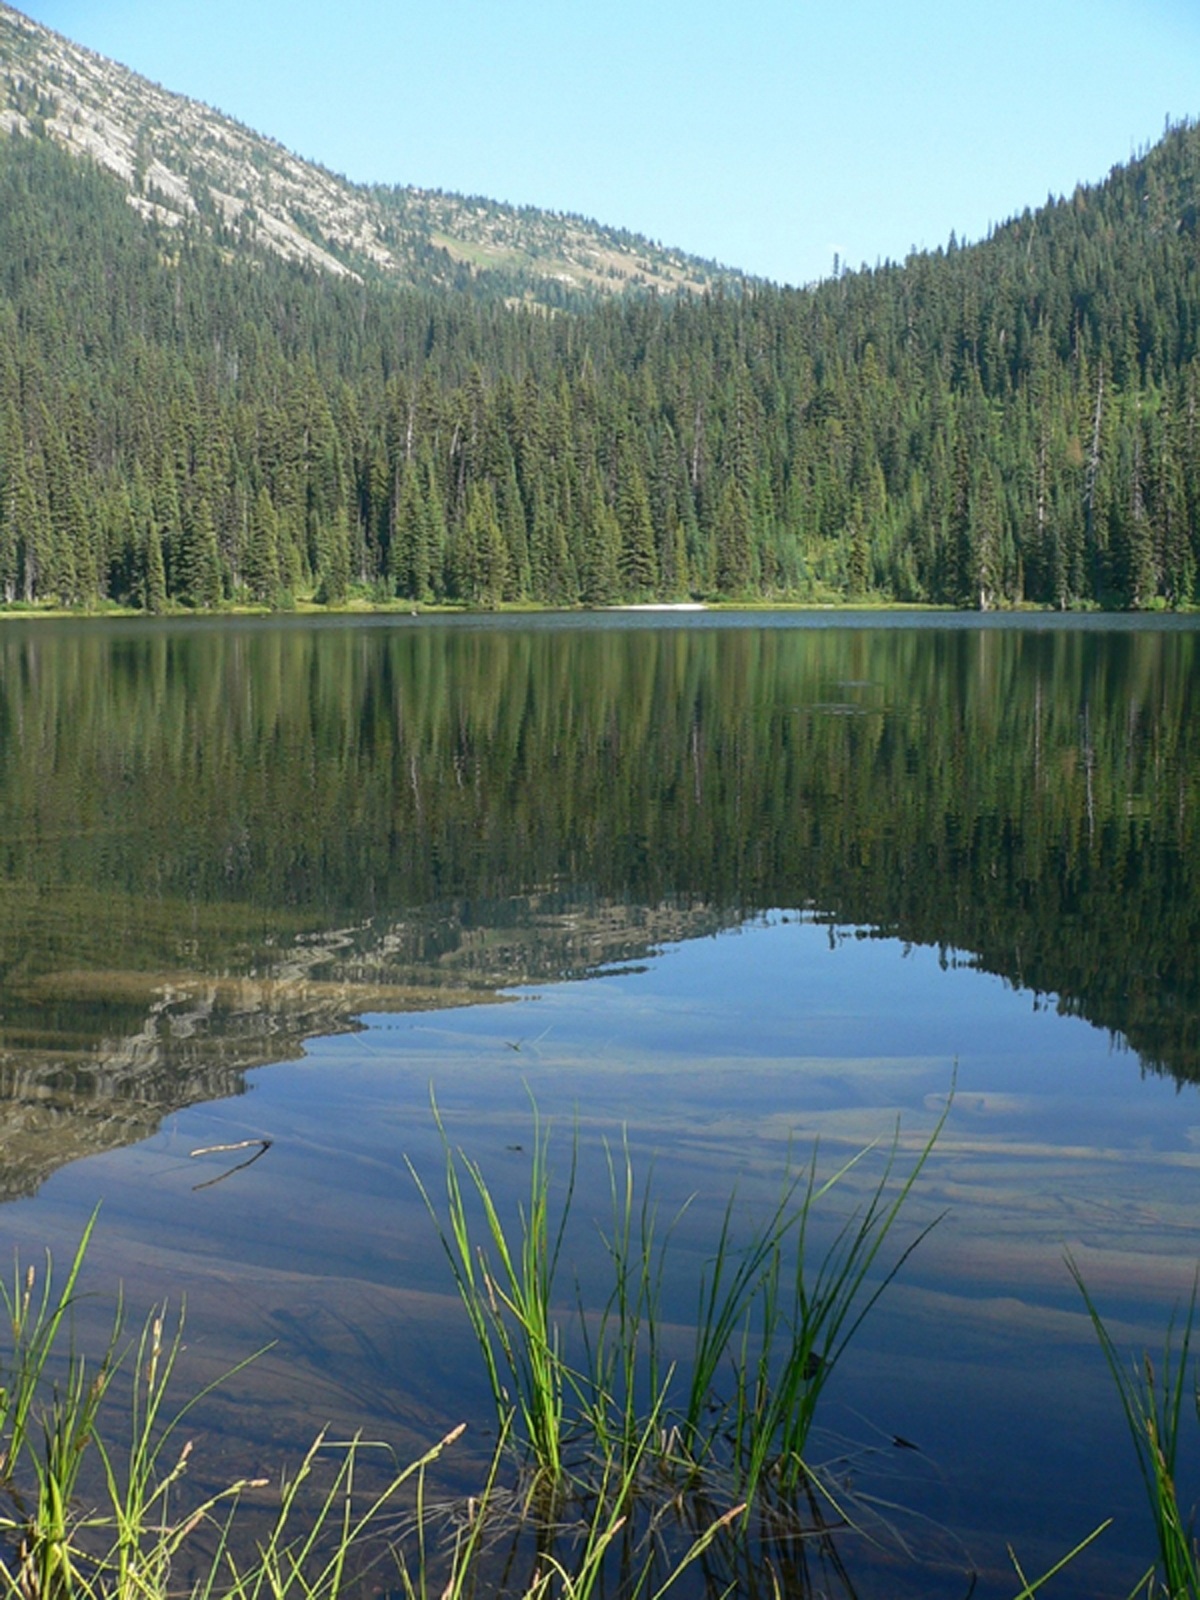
(728, 889)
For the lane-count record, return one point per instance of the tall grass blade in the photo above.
(507, 1286)
(1029, 1587)
(1153, 1403)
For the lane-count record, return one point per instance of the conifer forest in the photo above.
(188, 421)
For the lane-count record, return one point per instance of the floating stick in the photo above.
(215, 1149)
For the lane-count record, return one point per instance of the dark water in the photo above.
(813, 875)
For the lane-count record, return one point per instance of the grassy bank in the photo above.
(366, 605)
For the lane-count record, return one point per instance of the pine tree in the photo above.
(733, 542)
(156, 575)
(858, 552)
(599, 574)
(638, 561)
(332, 545)
(199, 576)
(484, 564)
(260, 566)
(985, 538)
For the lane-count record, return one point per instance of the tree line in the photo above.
(185, 421)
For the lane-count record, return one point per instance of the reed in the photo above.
(35, 1313)
(806, 1306)
(1152, 1399)
(624, 1376)
(1031, 1586)
(455, 1580)
(599, 1416)
(85, 1521)
(506, 1282)
(82, 1520)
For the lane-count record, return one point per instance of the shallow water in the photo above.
(726, 890)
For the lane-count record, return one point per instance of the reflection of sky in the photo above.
(717, 1056)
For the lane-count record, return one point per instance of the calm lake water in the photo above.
(728, 888)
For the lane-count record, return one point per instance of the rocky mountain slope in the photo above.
(181, 160)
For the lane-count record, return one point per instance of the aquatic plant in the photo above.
(1152, 1399)
(597, 1415)
(84, 1520)
(796, 1317)
(507, 1292)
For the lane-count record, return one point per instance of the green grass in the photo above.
(780, 1316)
(84, 1519)
(618, 1469)
(707, 1456)
(1152, 1399)
(600, 1421)
(507, 1288)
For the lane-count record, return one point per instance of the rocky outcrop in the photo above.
(181, 161)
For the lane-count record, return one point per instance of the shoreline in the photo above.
(401, 609)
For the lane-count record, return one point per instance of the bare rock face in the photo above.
(180, 160)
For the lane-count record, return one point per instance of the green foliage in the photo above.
(591, 1393)
(508, 1298)
(1153, 1402)
(82, 1520)
(1013, 422)
(783, 1320)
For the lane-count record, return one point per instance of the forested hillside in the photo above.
(185, 418)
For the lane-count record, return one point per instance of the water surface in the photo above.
(728, 887)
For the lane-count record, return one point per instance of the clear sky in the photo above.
(768, 134)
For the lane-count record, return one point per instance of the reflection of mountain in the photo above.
(473, 805)
(59, 1104)
(93, 1059)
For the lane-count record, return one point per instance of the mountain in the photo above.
(179, 160)
(224, 385)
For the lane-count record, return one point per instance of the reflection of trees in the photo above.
(1027, 796)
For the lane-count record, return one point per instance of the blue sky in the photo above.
(768, 135)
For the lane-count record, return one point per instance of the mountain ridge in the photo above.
(183, 161)
(193, 413)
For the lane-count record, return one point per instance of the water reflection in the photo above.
(719, 1059)
(434, 807)
(812, 873)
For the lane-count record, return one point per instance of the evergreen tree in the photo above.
(1019, 418)
(733, 541)
(156, 574)
(638, 563)
(599, 562)
(332, 553)
(260, 568)
(484, 565)
(199, 575)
